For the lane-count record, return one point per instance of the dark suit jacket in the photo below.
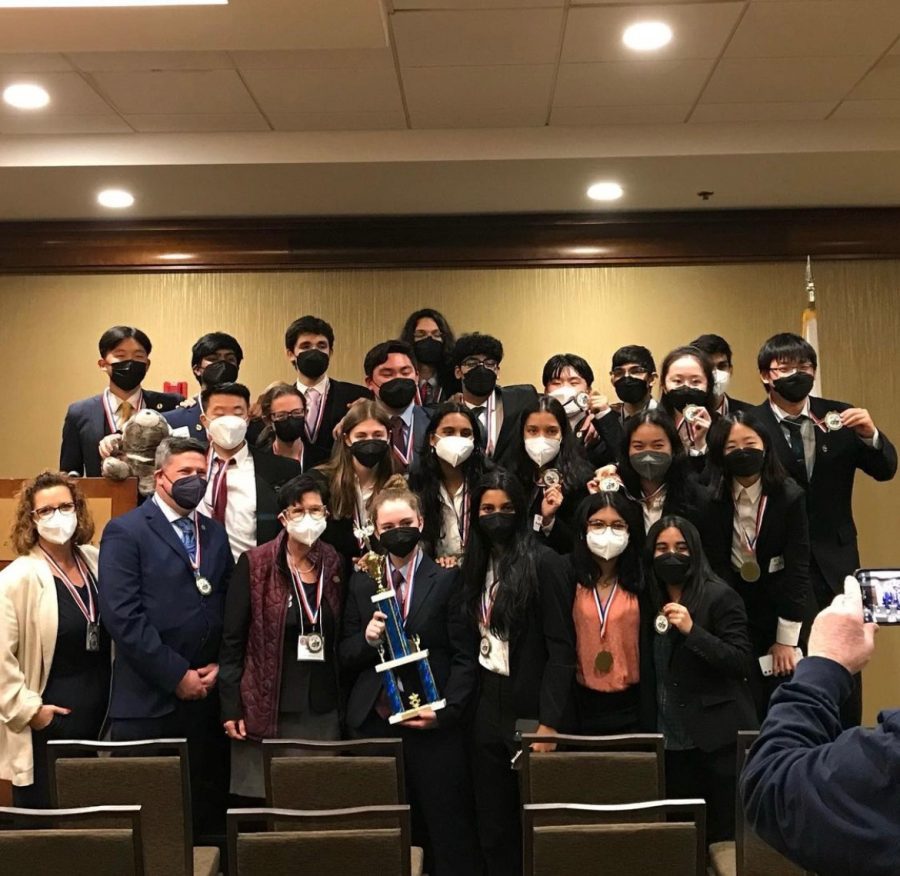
(829, 494)
(601, 443)
(150, 604)
(514, 399)
(420, 420)
(784, 534)
(272, 472)
(339, 397)
(85, 425)
(188, 418)
(436, 616)
(735, 405)
(707, 677)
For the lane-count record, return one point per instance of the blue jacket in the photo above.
(150, 604)
(187, 420)
(828, 800)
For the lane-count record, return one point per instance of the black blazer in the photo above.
(272, 472)
(514, 398)
(829, 494)
(691, 504)
(707, 679)
(783, 537)
(85, 426)
(436, 616)
(735, 405)
(339, 397)
(601, 448)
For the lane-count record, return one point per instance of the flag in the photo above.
(810, 330)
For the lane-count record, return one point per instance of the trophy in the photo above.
(405, 671)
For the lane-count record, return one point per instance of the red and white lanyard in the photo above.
(818, 422)
(110, 414)
(409, 577)
(489, 413)
(312, 614)
(488, 597)
(313, 433)
(603, 610)
(760, 513)
(405, 459)
(90, 610)
(688, 428)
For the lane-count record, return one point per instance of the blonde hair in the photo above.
(395, 490)
(24, 534)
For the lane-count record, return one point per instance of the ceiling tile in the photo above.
(813, 28)
(598, 116)
(349, 121)
(448, 39)
(761, 112)
(700, 31)
(69, 94)
(624, 83)
(11, 62)
(355, 59)
(211, 91)
(60, 124)
(509, 117)
(324, 91)
(801, 80)
(189, 123)
(882, 83)
(461, 88)
(92, 62)
(868, 109)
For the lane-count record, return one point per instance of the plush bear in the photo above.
(132, 454)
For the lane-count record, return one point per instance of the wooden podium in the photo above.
(105, 498)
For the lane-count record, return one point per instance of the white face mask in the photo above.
(607, 544)
(228, 431)
(569, 398)
(306, 529)
(722, 379)
(542, 450)
(59, 528)
(454, 449)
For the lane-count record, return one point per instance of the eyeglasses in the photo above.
(471, 362)
(317, 512)
(692, 382)
(619, 528)
(297, 413)
(629, 371)
(784, 370)
(47, 511)
(421, 335)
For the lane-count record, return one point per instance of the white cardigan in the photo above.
(29, 616)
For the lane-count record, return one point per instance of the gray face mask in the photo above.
(651, 465)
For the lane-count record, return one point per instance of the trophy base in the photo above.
(411, 713)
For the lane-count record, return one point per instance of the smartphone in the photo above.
(880, 595)
(766, 662)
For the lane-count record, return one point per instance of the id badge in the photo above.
(92, 638)
(310, 648)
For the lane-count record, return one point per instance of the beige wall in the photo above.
(49, 327)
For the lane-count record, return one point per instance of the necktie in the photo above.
(425, 392)
(313, 400)
(795, 438)
(399, 586)
(123, 415)
(398, 434)
(479, 413)
(188, 534)
(220, 491)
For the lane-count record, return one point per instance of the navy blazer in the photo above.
(85, 426)
(151, 607)
(188, 418)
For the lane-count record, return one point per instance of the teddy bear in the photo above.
(132, 454)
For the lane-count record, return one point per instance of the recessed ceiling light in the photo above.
(86, 4)
(647, 36)
(605, 191)
(177, 256)
(26, 96)
(115, 199)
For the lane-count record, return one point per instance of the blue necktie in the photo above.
(188, 535)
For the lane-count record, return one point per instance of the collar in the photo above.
(321, 387)
(169, 512)
(239, 458)
(495, 394)
(407, 415)
(116, 402)
(754, 491)
(781, 414)
(722, 409)
(402, 569)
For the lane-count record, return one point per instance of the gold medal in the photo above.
(750, 571)
(603, 662)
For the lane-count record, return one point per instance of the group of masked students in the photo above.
(571, 566)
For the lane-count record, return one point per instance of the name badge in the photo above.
(776, 564)
(310, 648)
(180, 432)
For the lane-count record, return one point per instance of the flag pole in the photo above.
(810, 326)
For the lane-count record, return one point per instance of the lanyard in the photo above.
(90, 610)
(488, 596)
(760, 512)
(489, 424)
(195, 560)
(300, 590)
(111, 424)
(409, 576)
(320, 414)
(648, 500)
(462, 521)
(405, 458)
(818, 422)
(603, 610)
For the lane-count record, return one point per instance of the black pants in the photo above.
(710, 775)
(198, 722)
(497, 801)
(439, 793)
(606, 714)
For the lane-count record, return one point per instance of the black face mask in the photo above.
(217, 373)
(128, 375)
(429, 351)
(480, 381)
(188, 492)
(745, 462)
(795, 387)
(370, 451)
(289, 429)
(631, 389)
(680, 398)
(312, 363)
(651, 465)
(499, 528)
(671, 568)
(401, 541)
(397, 393)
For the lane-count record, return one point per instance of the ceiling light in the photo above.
(177, 256)
(26, 96)
(647, 36)
(605, 191)
(74, 4)
(115, 199)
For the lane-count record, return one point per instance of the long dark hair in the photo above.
(703, 361)
(628, 565)
(570, 463)
(680, 474)
(773, 473)
(426, 482)
(699, 572)
(444, 369)
(516, 561)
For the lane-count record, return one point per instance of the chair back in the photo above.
(593, 840)
(71, 841)
(152, 774)
(378, 844)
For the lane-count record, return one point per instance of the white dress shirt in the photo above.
(450, 542)
(496, 420)
(240, 509)
(172, 515)
(321, 387)
(652, 506)
(497, 659)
